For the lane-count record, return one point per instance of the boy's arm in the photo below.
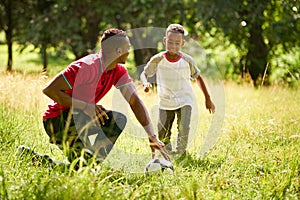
(150, 70)
(208, 103)
(146, 84)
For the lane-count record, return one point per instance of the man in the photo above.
(74, 121)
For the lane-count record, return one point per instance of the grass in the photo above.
(255, 157)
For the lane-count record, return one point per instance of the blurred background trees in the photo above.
(265, 34)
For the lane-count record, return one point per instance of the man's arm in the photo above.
(55, 90)
(208, 103)
(137, 106)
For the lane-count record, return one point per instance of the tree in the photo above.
(62, 24)
(255, 27)
(81, 23)
(146, 21)
(37, 26)
(7, 24)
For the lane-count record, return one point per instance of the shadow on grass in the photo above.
(205, 163)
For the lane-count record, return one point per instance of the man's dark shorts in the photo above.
(75, 131)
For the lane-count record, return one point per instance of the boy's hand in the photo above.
(210, 106)
(147, 87)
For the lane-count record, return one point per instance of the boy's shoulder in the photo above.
(187, 57)
(158, 57)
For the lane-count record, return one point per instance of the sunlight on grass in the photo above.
(29, 61)
(256, 156)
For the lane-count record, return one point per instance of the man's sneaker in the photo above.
(37, 158)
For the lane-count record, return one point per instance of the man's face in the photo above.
(173, 42)
(124, 50)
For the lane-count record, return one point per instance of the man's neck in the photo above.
(109, 62)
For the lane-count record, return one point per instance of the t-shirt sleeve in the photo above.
(69, 74)
(78, 73)
(195, 71)
(122, 77)
(151, 67)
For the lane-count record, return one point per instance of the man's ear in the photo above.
(164, 40)
(119, 51)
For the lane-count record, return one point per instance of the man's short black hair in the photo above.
(113, 32)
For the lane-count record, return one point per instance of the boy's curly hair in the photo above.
(175, 28)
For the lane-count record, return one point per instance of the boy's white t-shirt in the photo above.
(173, 79)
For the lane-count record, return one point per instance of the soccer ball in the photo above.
(159, 165)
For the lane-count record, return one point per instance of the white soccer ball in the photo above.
(159, 165)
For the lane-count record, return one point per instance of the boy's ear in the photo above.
(165, 40)
(183, 42)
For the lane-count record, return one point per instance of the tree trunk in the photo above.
(257, 56)
(44, 57)
(144, 48)
(8, 34)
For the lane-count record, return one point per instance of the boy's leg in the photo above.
(165, 121)
(183, 121)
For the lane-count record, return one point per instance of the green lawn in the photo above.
(256, 155)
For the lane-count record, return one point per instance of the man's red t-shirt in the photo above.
(89, 81)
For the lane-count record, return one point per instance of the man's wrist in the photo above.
(149, 130)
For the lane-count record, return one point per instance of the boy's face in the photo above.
(173, 42)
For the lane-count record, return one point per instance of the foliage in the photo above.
(255, 27)
(286, 70)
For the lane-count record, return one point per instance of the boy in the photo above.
(174, 69)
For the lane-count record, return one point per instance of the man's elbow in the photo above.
(50, 92)
(47, 91)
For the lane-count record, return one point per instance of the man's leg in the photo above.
(183, 121)
(165, 121)
(63, 133)
(100, 139)
(76, 132)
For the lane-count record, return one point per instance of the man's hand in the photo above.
(210, 106)
(156, 144)
(147, 87)
(99, 113)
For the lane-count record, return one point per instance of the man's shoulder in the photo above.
(120, 69)
(120, 66)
